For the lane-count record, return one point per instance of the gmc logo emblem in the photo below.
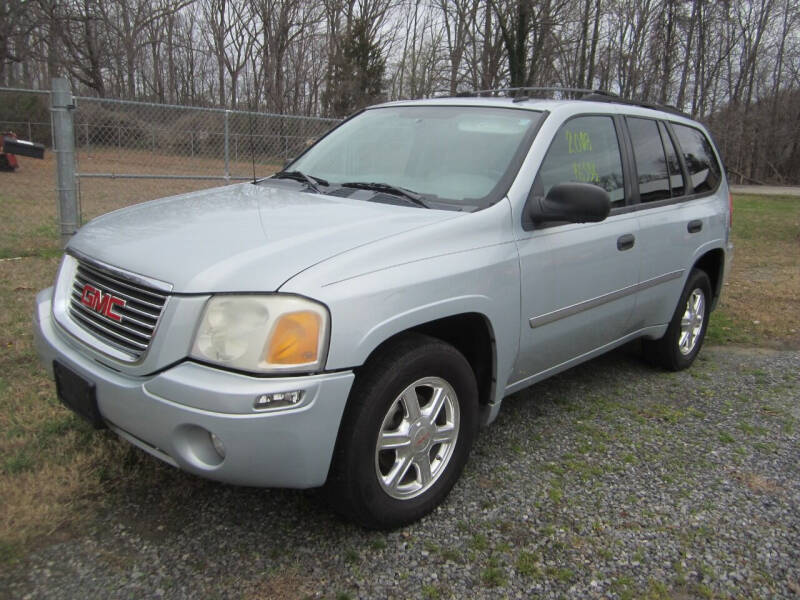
(101, 303)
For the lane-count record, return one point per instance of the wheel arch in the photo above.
(713, 263)
(472, 334)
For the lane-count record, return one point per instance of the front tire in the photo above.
(687, 329)
(406, 434)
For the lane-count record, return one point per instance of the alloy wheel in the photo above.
(417, 438)
(692, 321)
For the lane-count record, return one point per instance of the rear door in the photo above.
(578, 279)
(678, 176)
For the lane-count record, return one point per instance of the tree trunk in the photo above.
(593, 51)
(687, 58)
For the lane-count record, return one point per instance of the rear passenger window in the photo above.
(651, 163)
(703, 167)
(584, 150)
(675, 173)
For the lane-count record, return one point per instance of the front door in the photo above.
(578, 279)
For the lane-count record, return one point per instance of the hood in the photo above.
(240, 238)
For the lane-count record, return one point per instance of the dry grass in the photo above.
(28, 214)
(28, 209)
(288, 585)
(759, 483)
(99, 196)
(50, 463)
(40, 469)
(52, 466)
(761, 303)
(55, 472)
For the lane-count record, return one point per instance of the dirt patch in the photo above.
(290, 585)
(757, 483)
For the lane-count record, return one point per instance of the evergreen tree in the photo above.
(358, 72)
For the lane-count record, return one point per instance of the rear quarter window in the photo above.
(651, 162)
(704, 170)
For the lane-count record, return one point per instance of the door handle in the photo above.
(694, 226)
(625, 242)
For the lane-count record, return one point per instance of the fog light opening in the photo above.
(217, 443)
(278, 400)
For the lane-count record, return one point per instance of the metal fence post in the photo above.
(285, 140)
(227, 148)
(62, 106)
(52, 126)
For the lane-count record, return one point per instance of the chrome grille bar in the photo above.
(147, 320)
(138, 316)
(115, 338)
(88, 277)
(126, 284)
(144, 332)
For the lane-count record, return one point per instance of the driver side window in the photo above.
(585, 150)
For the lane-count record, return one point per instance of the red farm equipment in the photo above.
(13, 147)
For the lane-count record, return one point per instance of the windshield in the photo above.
(455, 154)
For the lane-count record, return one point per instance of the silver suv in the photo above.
(351, 321)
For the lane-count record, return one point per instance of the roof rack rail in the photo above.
(519, 92)
(591, 95)
(629, 102)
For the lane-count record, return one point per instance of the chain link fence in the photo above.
(28, 212)
(129, 152)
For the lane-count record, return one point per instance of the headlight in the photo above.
(263, 333)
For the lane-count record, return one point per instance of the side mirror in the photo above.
(571, 202)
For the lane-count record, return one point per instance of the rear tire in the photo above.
(687, 329)
(405, 437)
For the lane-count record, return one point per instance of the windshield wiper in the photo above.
(389, 189)
(309, 180)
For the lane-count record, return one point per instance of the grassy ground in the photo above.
(55, 472)
(761, 302)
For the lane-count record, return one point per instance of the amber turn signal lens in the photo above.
(295, 339)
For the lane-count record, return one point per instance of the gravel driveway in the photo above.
(611, 480)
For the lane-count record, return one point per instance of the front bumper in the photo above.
(172, 413)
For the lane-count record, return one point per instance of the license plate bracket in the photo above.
(77, 394)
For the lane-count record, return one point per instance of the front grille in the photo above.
(138, 317)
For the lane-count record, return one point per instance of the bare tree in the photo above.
(460, 21)
(735, 64)
(17, 22)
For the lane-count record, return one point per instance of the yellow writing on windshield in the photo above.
(578, 142)
(585, 172)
